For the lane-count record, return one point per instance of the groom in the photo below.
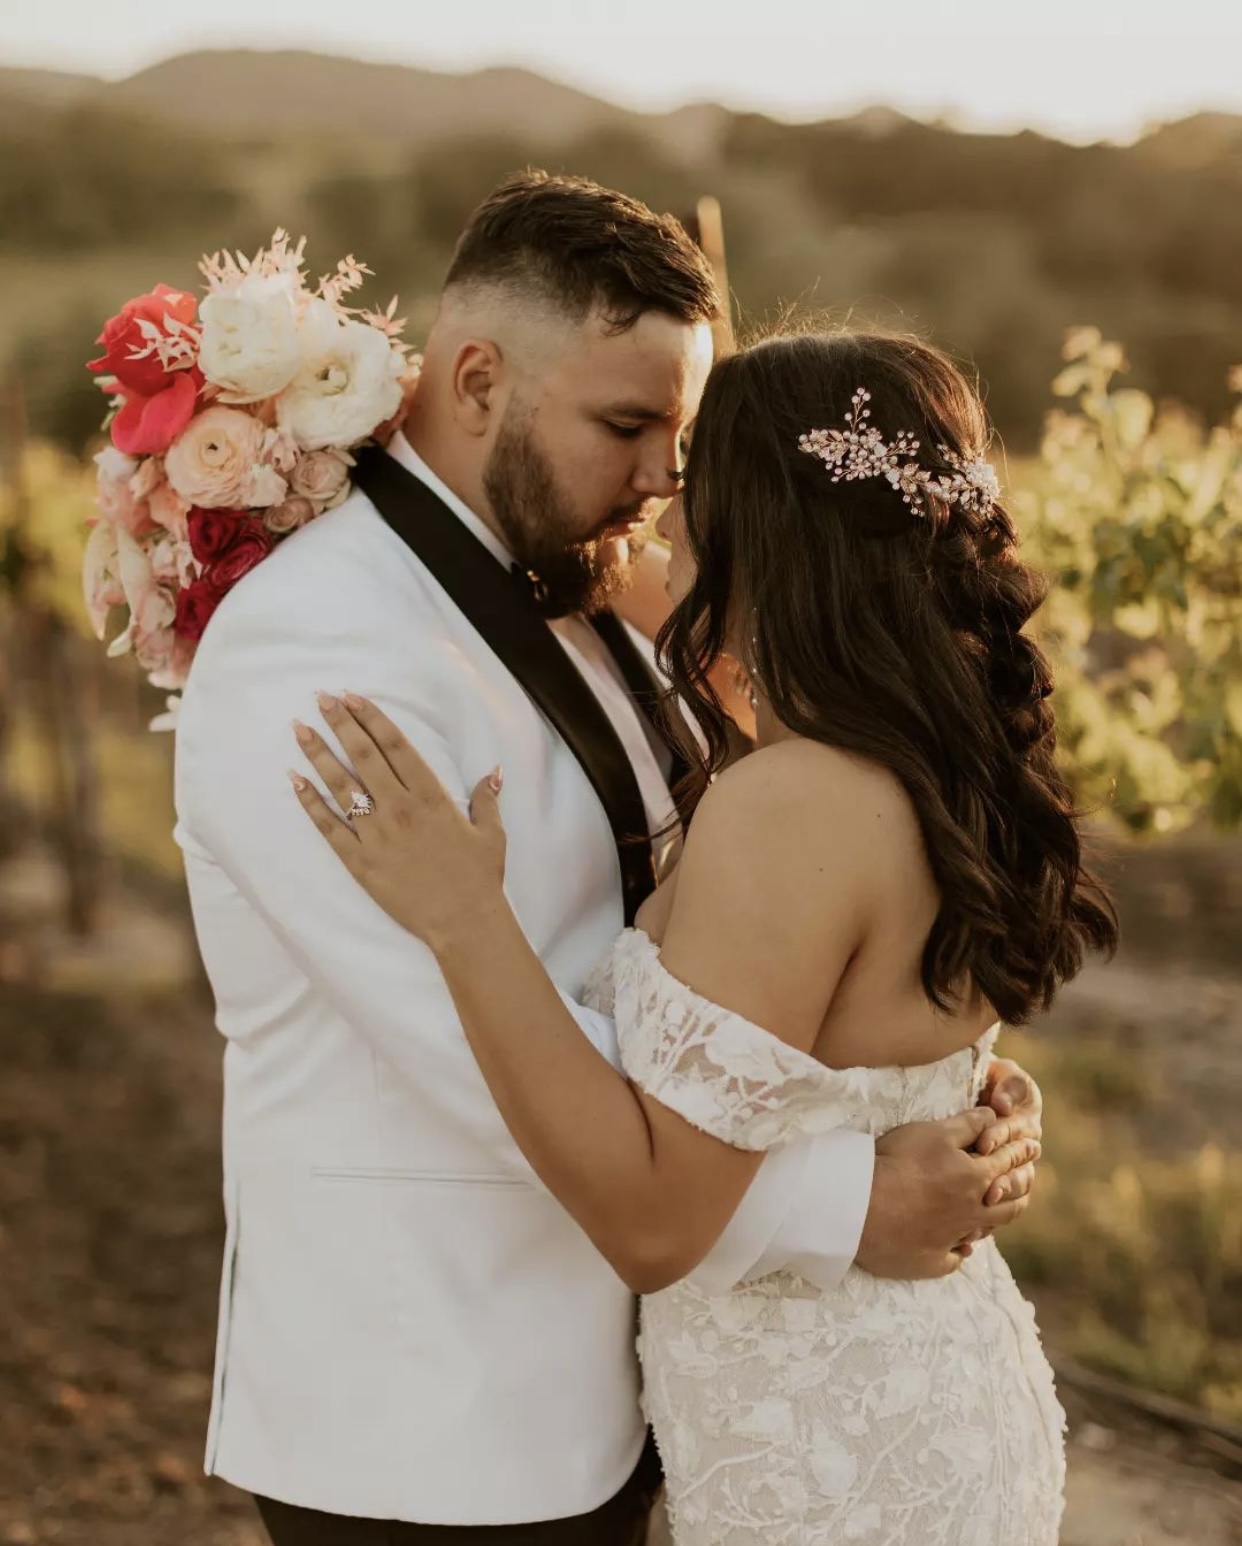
(415, 1342)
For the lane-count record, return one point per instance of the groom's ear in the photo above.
(478, 369)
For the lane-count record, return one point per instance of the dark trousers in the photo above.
(622, 1521)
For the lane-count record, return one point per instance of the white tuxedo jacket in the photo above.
(410, 1326)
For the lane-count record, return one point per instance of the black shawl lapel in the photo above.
(504, 615)
(645, 687)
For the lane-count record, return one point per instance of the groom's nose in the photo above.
(659, 469)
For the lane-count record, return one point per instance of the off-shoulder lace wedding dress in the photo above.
(881, 1414)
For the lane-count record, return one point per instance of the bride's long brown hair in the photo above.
(894, 635)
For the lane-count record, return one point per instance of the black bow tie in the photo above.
(545, 604)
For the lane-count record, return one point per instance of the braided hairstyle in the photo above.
(894, 632)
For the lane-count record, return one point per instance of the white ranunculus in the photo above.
(347, 387)
(250, 347)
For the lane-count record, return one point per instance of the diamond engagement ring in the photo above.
(362, 806)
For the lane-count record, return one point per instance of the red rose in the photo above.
(147, 426)
(195, 604)
(213, 532)
(250, 548)
(122, 338)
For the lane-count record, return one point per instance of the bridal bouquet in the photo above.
(232, 423)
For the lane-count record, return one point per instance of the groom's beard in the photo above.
(538, 524)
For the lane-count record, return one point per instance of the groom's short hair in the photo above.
(571, 244)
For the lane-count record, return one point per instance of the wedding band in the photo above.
(362, 806)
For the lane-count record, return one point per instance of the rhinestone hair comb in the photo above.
(859, 451)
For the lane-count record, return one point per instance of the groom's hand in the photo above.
(927, 1198)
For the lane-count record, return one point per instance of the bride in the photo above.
(891, 873)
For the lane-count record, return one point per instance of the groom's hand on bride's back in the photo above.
(940, 1185)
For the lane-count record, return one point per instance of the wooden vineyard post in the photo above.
(706, 226)
(710, 236)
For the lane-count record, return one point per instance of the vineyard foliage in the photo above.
(1134, 512)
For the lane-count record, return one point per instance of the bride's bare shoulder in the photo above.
(799, 826)
(799, 778)
(783, 849)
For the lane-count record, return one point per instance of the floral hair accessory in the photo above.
(233, 421)
(859, 451)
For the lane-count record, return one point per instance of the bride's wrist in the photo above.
(456, 939)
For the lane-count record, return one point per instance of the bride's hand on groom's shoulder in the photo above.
(437, 872)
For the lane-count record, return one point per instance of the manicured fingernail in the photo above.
(496, 779)
(302, 732)
(352, 700)
(298, 782)
(326, 702)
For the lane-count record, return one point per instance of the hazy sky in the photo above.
(1082, 68)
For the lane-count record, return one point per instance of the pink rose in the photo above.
(281, 519)
(123, 337)
(147, 426)
(213, 461)
(322, 476)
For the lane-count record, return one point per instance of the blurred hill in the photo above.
(994, 244)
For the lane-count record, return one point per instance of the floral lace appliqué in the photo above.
(880, 1414)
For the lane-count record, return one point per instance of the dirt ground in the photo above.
(110, 1232)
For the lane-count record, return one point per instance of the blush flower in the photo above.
(101, 578)
(114, 494)
(151, 605)
(213, 461)
(168, 509)
(281, 519)
(232, 422)
(322, 476)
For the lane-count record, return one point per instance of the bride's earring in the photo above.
(752, 672)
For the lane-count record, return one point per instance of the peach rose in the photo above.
(281, 519)
(322, 477)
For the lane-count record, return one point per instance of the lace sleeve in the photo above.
(711, 1066)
